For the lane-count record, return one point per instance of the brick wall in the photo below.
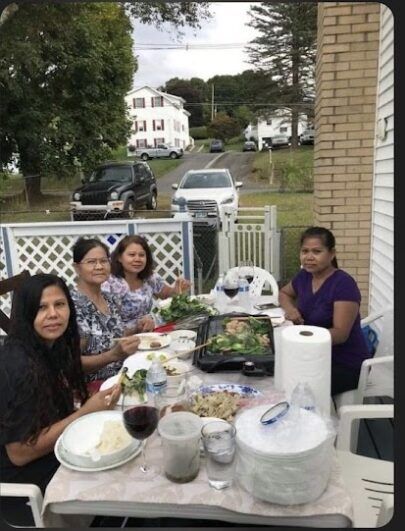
(346, 83)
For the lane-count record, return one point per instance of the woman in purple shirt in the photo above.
(323, 295)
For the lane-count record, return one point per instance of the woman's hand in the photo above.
(145, 324)
(181, 285)
(124, 347)
(294, 315)
(102, 400)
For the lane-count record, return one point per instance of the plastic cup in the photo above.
(219, 440)
(180, 433)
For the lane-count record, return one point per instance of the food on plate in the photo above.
(249, 336)
(155, 355)
(136, 385)
(221, 404)
(183, 306)
(155, 344)
(113, 437)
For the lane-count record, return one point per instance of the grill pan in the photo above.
(209, 361)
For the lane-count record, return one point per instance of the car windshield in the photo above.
(206, 180)
(111, 173)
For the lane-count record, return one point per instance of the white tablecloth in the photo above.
(121, 491)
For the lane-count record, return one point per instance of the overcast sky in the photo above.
(228, 25)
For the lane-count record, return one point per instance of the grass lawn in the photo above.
(302, 157)
(233, 145)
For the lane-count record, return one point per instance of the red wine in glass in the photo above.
(231, 292)
(141, 421)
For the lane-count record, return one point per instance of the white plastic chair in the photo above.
(377, 373)
(26, 490)
(261, 279)
(369, 481)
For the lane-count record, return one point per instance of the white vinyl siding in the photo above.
(382, 230)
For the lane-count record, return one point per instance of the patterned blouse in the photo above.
(137, 303)
(98, 329)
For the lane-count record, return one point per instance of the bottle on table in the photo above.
(219, 293)
(243, 294)
(303, 397)
(156, 380)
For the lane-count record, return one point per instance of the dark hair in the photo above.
(325, 235)
(55, 375)
(83, 245)
(116, 266)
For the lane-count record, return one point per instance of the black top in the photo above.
(14, 368)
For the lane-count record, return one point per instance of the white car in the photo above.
(206, 192)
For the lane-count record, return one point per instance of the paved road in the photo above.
(239, 165)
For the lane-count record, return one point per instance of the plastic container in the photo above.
(181, 433)
(182, 347)
(243, 294)
(220, 297)
(156, 379)
(286, 462)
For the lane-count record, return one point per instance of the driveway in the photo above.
(239, 165)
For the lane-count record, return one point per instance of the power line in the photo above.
(189, 47)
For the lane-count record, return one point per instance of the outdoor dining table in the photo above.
(73, 498)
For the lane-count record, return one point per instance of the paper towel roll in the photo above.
(305, 356)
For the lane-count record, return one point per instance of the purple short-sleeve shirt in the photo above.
(317, 310)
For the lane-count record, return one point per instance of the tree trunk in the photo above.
(32, 188)
(296, 97)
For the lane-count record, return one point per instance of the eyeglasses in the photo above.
(92, 262)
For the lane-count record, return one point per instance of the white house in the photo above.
(266, 128)
(158, 118)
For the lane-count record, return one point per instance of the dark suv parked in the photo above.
(115, 188)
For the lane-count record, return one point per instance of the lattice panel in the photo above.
(167, 253)
(52, 253)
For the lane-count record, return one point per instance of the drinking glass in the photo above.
(220, 446)
(140, 422)
(247, 270)
(231, 287)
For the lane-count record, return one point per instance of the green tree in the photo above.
(64, 72)
(223, 127)
(194, 97)
(286, 48)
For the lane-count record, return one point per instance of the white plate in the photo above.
(244, 390)
(140, 360)
(129, 400)
(148, 337)
(63, 460)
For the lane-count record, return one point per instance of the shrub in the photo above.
(199, 133)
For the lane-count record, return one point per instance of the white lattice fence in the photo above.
(47, 247)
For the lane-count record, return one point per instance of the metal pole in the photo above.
(212, 102)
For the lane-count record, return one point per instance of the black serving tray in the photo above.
(232, 361)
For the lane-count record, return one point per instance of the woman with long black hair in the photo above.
(42, 386)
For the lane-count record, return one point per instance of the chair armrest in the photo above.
(350, 413)
(26, 490)
(365, 369)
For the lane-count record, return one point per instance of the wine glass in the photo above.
(231, 286)
(247, 270)
(140, 421)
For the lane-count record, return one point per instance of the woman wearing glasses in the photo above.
(98, 313)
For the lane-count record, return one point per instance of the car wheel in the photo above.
(173, 155)
(129, 208)
(145, 156)
(152, 202)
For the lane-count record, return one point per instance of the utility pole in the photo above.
(212, 102)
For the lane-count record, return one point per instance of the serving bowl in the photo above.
(186, 334)
(182, 369)
(182, 347)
